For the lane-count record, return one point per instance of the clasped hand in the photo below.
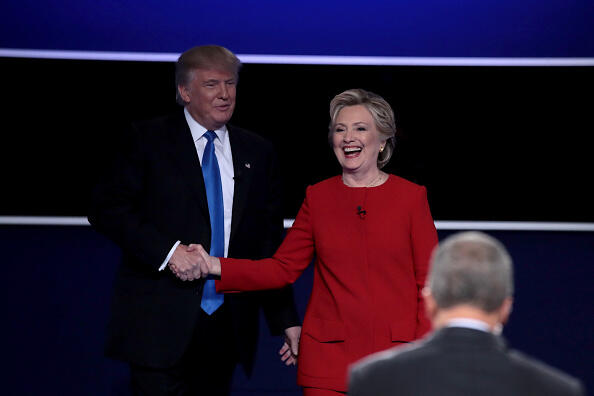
(193, 262)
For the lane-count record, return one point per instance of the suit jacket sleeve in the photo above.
(115, 207)
(424, 240)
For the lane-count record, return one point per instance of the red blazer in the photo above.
(372, 248)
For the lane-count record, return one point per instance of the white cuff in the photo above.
(162, 267)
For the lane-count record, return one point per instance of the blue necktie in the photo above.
(211, 300)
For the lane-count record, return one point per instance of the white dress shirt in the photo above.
(225, 160)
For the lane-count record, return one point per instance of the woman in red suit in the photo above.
(371, 234)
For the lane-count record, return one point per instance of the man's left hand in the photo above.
(290, 348)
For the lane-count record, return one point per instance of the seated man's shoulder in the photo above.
(391, 358)
(555, 381)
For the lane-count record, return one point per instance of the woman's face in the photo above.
(356, 140)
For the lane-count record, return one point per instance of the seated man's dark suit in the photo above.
(155, 197)
(457, 361)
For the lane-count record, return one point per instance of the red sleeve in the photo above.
(287, 264)
(424, 240)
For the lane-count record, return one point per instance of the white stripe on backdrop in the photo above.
(440, 225)
(301, 59)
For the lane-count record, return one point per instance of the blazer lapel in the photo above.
(242, 177)
(183, 152)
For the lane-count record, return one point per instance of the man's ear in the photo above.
(184, 92)
(505, 310)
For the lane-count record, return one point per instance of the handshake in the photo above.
(193, 262)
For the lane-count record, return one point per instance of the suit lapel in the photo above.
(183, 152)
(242, 176)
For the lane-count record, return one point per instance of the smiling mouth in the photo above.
(352, 152)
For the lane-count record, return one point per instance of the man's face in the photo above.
(210, 96)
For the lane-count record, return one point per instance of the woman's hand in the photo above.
(208, 265)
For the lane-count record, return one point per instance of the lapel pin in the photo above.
(247, 165)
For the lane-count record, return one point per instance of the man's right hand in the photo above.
(210, 265)
(185, 264)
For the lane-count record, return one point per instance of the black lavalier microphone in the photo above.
(361, 212)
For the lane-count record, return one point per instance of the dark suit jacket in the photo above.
(156, 196)
(460, 362)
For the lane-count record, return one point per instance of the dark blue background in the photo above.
(429, 28)
(58, 280)
(57, 286)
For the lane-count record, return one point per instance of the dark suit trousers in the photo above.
(206, 367)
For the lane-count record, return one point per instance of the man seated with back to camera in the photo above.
(468, 299)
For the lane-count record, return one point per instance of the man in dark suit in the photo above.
(468, 299)
(192, 178)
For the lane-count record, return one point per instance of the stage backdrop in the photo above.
(429, 28)
(58, 286)
(489, 143)
(506, 140)
(56, 304)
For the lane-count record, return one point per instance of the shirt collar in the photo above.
(469, 324)
(198, 130)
